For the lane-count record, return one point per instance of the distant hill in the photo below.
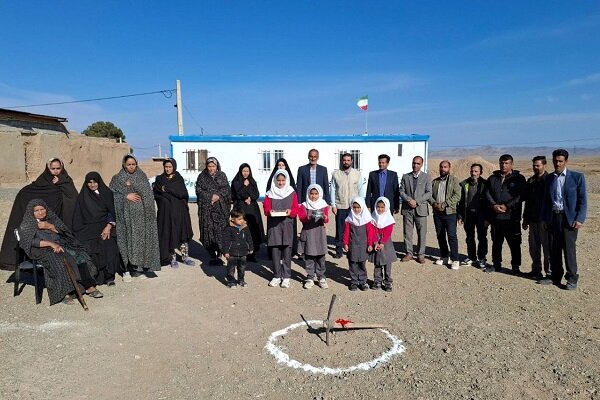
(516, 152)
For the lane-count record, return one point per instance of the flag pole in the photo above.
(367, 122)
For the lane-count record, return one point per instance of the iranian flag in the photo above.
(363, 103)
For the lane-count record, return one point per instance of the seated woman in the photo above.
(46, 238)
(173, 217)
(137, 233)
(56, 188)
(94, 225)
(214, 202)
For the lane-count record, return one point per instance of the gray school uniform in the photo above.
(386, 256)
(357, 250)
(280, 230)
(313, 238)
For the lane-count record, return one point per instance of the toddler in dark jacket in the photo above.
(236, 245)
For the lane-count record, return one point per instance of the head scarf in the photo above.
(363, 217)
(317, 204)
(127, 157)
(280, 193)
(385, 219)
(173, 163)
(240, 178)
(214, 161)
(275, 169)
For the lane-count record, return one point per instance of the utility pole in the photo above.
(159, 151)
(179, 109)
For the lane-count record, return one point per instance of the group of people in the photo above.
(132, 227)
(86, 238)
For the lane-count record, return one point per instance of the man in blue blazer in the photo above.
(389, 180)
(312, 173)
(564, 208)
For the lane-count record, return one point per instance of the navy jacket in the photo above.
(303, 181)
(574, 197)
(392, 189)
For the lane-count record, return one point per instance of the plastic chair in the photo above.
(28, 265)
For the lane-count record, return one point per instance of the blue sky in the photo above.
(464, 72)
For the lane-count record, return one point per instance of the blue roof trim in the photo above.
(299, 138)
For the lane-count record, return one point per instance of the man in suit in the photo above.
(383, 182)
(445, 195)
(312, 173)
(415, 192)
(564, 208)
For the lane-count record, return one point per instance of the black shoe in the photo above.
(353, 288)
(388, 287)
(376, 286)
(516, 272)
(533, 276)
(489, 268)
(232, 285)
(337, 255)
(364, 286)
(150, 274)
(110, 283)
(243, 284)
(546, 281)
(570, 286)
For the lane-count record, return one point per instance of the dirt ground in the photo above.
(185, 335)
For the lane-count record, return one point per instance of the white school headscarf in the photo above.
(359, 219)
(319, 203)
(276, 193)
(385, 219)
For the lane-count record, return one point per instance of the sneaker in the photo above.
(546, 281)
(364, 286)
(455, 265)
(189, 262)
(441, 261)
(489, 269)
(243, 284)
(174, 264)
(376, 286)
(275, 282)
(468, 261)
(353, 288)
(309, 283)
(285, 283)
(127, 277)
(387, 287)
(323, 283)
(482, 263)
(232, 285)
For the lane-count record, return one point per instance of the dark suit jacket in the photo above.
(392, 189)
(574, 197)
(303, 181)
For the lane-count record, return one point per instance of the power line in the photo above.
(167, 93)
(193, 119)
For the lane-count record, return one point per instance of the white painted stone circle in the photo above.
(283, 358)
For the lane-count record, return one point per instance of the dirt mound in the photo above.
(462, 167)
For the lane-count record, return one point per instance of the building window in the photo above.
(266, 160)
(277, 154)
(190, 157)
(355, 158)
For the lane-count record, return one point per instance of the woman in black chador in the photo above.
(174, 223)
(56, 188)
(214, 203)
(244, 193)
(46, 238)
(94, 225)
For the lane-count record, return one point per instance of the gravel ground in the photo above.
(184, 335)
